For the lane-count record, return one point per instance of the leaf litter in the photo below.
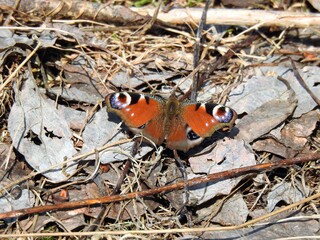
(40, 133)
(52, 122)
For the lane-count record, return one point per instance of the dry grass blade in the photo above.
(176, 230)
(9, 79)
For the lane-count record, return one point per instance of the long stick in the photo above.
(238, 17)
(192, 182)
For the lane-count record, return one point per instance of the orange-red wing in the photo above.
(138, 113)
(177, 138)
(141, 113)
(205, 119)
(154, 130)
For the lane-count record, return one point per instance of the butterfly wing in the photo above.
(183, 125)
(192, 122)
(206, 118)
(177, 132)
(141, 113)
(181, 137)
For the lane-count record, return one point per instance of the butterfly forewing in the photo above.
(206, 118)
(141, 113)
(134, 109)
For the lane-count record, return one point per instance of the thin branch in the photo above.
(197, 50)
(302, 82)
(238, 17)
(177, 186)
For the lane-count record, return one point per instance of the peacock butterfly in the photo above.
(182, 125)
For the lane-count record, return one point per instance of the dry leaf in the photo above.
(273, 146)
(266, 117)
(173, 174)
(233, 212)
(295, 134)
(264, 86)
(8, 203)
(254, 93)
(282, 226)
(310, 75)
(102, 130)
(228, 154)
(125, 80)
(40, 133)
(285, 192)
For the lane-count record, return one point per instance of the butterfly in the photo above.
(181, 125)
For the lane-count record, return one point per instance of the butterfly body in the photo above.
(182, 125)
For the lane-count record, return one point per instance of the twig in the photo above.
(149, 25)
(302, 82)
(196, 53)
(167, 231)
(180, 185)
(221, 61)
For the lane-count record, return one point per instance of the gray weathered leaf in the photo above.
(255, 92)
(40, 133)
(234, 211)
(100, 131)
(266, 117)
(310, 75)
(8, 203)
(105, 128)
(287, 225)
(286, 192)
(264, 86)
(228, 154)
(124, 79)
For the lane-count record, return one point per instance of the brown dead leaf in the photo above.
(172, 175)
(295, 134)
(12, 170)
(273, 146)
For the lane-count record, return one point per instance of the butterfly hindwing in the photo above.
(182, 137)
